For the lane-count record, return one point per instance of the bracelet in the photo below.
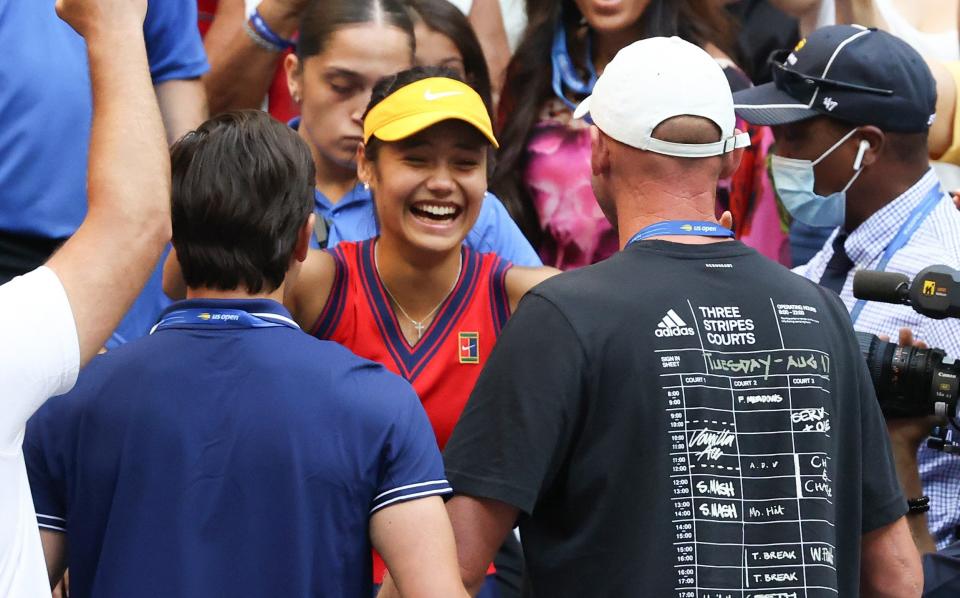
(918, 505)
(259, 41)
(257, 25)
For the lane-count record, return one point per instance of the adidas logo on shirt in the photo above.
(673, 325)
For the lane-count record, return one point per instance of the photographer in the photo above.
(851, 109)
(941, 568)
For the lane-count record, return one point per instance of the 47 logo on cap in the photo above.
(469, 346)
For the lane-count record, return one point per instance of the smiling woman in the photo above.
(416, 298)
(345, 46)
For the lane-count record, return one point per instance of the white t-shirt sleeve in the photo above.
(39, 348)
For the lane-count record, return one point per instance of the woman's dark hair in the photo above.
(391, 83)
(528, 81)
(242, 190)
(322, 18)
(445, 18)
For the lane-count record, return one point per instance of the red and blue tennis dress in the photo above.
(444, 365)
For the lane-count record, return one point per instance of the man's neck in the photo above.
(642, 207)
(867, 197)
(207, 293)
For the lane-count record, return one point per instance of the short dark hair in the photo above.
(391, 83)
(322, 18)
(242, 189)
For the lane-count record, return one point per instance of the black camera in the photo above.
(912, 382)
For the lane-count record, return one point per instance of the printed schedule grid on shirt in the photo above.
(749, 436)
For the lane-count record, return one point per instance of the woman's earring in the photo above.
(295, 97)
(366, 186)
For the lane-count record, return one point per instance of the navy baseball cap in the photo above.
(850, 73)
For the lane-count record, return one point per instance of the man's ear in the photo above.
(294, 71)
(877, 140)
(599, 152)
(302, 247)
(731, 161)
(726, 219)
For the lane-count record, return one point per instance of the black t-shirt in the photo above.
(685, 421)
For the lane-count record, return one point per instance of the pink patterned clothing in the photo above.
(557, 176)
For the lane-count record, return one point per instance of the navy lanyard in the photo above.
(221, 319)
(684, 228)
(564, 73)
(907, 230)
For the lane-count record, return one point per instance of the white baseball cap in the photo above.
(653, 80)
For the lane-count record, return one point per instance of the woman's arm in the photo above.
(307, 287)
(520, 280)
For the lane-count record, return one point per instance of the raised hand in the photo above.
(93, 17)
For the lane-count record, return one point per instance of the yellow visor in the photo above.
(424, 103)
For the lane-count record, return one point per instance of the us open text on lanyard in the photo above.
(683, 228)
(917, 216)
(221, 319)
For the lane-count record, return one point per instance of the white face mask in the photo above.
(794, 181)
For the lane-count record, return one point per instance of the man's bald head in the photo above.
(687, 129)
(622, 171)
(678, 129)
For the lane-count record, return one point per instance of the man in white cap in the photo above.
(687, 418)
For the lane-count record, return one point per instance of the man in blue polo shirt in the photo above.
(45, 114)
(228, 453)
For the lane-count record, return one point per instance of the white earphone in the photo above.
(864, 146)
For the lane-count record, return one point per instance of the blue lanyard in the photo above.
(917, 216)
(684, 228)
(564, 74)
(221, 319)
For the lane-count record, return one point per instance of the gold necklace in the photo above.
(417, 324)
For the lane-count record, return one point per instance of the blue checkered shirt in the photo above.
(937, 241)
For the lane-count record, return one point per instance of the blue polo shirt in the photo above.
(225, 460)
(46, 108)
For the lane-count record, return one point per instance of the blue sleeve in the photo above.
(44, 454)
(496, 232)
(413, 467)
(174, 47)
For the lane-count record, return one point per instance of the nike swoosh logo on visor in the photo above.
(430, 96)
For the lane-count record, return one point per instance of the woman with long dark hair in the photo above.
(543, 174)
